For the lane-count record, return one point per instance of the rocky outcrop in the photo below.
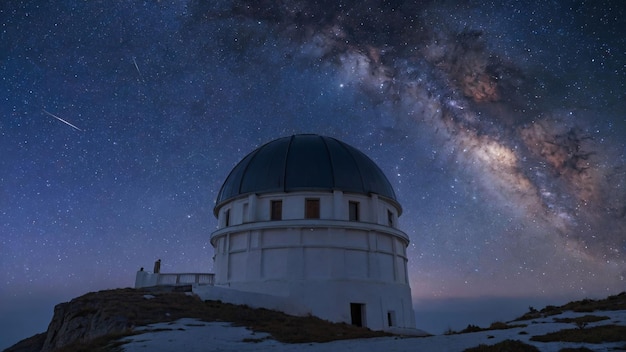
(83, 320)
(111, 314)
(98, 320)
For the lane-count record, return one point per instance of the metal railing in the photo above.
(185, 279)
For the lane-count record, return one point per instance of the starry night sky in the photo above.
(501, 125)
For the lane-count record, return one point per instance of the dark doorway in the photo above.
(391, 318)
(357, 313)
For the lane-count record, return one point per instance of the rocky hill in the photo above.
(96, 319)
(97, 322)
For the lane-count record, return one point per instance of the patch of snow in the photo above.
(148, 296)
(194, 335)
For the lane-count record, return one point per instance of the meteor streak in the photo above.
(137, 67)
(60, 119)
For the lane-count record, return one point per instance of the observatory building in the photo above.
(307, 225)
(313, 221)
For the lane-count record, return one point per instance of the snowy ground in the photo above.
(193, 335)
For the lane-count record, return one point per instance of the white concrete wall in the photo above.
(332, 249)
(323, 264)
(145, 279)
(251, 299)
(329, 300)
(148, 279)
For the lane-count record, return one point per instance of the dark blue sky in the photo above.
(501, 126)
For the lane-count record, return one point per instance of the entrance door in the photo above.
(357, 313)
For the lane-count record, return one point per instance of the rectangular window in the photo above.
(276, 210)
(353, 210)
(312, 208)
(389, 218)
(227, 217)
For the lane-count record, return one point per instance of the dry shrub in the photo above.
(583, 319)
(597, 334)
(504, 346)
(494, 326)
(615, 302)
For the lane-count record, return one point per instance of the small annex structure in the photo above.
(308, 225)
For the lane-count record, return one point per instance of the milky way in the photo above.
(547, 163)
(501, 126)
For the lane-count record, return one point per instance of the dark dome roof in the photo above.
(305, 162)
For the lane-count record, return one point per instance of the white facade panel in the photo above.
(356, 264)
(385, 243)
(323, 264)
(316, 263)
(274, 263)
(238, 242)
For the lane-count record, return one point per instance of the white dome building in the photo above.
(313, 221)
